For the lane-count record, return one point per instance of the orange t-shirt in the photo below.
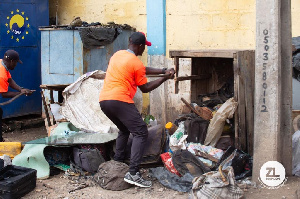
(4, 76)
(124, 73)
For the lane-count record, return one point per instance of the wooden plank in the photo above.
(46, 109)
(242, 109)
(194, 77)
(161, 75)
(250, 101)
(56, 87)
(192, 108)
(205, 155)
(236, 98)
(176, 63)
(220, 71)
(51, 97)
(246, 72)
(202, 53)
(247, 68)
(200, 66)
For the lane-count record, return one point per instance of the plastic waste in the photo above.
(178, 139)
(167, 143)
(171, 128)
(152, 122)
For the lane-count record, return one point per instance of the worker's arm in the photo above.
(156, 71)
(149, 86)
(9, 94)
(15, 86)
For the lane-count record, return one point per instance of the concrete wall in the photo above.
(295, 18)
(221, 24)
(206, 24)
(129, 12)
(189, 24)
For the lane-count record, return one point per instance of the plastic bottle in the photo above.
(167, 146)
(171, 128)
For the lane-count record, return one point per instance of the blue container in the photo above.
(64, 59)
(19, 22)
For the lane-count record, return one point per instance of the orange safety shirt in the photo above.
(4, 76)
(124, 73)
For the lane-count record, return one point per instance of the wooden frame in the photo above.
(56, 87)
(243, 66)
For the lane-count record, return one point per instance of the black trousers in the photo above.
(128, 120)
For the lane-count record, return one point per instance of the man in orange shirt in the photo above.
(9, 62)
(124, 74)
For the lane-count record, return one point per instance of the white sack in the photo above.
(81, 105)
(296, 153)
(217, 123)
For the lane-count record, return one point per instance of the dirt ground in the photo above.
(60, 186)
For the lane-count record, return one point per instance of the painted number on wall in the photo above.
(265, 58)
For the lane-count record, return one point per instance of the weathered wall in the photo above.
(219, 24)
(190, 24)
(129, 12)
(295, 18)
(215, 24)
(165, 105)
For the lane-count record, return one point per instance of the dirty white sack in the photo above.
(55, 110)
(296, 153)
(81, 104)
(216, 184)
(217, 123)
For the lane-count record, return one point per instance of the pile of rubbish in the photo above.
(194, 153)
(200, 156)
(95, 34)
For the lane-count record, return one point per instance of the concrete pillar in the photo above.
(156, 33)
(272, 114)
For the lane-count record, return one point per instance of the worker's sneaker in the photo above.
(137, 180)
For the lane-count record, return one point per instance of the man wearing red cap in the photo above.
(9, 62)
(124, 74)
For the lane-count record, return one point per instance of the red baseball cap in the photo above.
(139, 38)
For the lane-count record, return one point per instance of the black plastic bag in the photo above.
(87, 159)
(240, 161)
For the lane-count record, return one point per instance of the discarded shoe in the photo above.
(137, 180)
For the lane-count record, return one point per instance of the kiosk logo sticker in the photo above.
(17, 25)
(272, 175)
